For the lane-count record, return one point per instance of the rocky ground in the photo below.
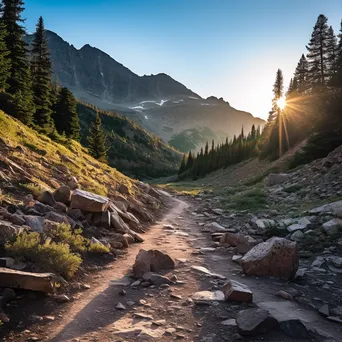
(122, 305)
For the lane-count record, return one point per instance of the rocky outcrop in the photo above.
(237, 292)
(277, 257)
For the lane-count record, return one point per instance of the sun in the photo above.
(281, 103)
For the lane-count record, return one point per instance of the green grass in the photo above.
(185, 188)
(253, 199)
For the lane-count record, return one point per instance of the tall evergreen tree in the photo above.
(337, 78)
(5, 62)
(318, 53)
(20, 79)
(65, 116)
(300, 82)
(97, 140)
(183, 165)
(41, 77)
(331, 52)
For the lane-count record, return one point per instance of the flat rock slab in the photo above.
(252, 322)
(156, 279)
(124, 281)
(237, 292)
(204, 270)
(88, 202)
(42, 282)
(207, 297)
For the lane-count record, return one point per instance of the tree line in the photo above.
(310, 109)
(222, 155)
(27, 90)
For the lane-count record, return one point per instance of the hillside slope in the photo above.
(132, 150)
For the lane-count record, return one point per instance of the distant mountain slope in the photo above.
(158, 103)
(132, 150)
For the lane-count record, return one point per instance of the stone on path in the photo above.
(284, 295)
(124, 281)
(151, 261)
(204, 270)
(42, 282)
(120, 306)
(156, 279)
(252, 322)
(207, 297)
(277, 257)
(294, 328)
(229, 322)
(88, 202)
(237, 292)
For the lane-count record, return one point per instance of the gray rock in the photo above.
(46, 197)
(62, 194)
(332, 227)
(324, 310)
(208, 297)
(252, 322)
(35, 222)
(156, 279)
(297, 236)
(204, 270)
(277, 178)
(8, 230)
(88, 202)
(294, 328)
(237, 292)
(335, 208)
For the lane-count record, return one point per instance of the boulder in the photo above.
(42, 282)
(88, 202)
(16, 219)
(118, 223)
(294, 328)
(277, 257)
(61, 207)
(277, 178)
(72, 183)
(8, 231)
(252, 322)
(55, 217)
(123, 189)
(76, 214)
(119, 198)
(332, 227)
(335, 208)
(35, 222)
(155, 193)
(237, 292)
(102, 219)
(232, 239)
(46, 197)
(262, 225)
(62, 194)
(151, 261)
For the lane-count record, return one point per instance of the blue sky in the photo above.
(226, 48)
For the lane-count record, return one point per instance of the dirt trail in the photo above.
(94, 317)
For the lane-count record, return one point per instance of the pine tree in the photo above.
(65, 116)
(337, 79)
(41, 77)
(331, 52)
(301, 76)
(182, 166)
(190, 161)
(5, 62)
(20, 79)
(318, 53)
(97, 140)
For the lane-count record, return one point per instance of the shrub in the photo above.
(62, 233)
(54, 256)
(98, 248)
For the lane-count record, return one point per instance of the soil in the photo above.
(92, 315)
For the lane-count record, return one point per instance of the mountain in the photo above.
(158, 103)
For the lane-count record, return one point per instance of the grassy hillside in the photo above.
(132, 150)
(45, 162)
